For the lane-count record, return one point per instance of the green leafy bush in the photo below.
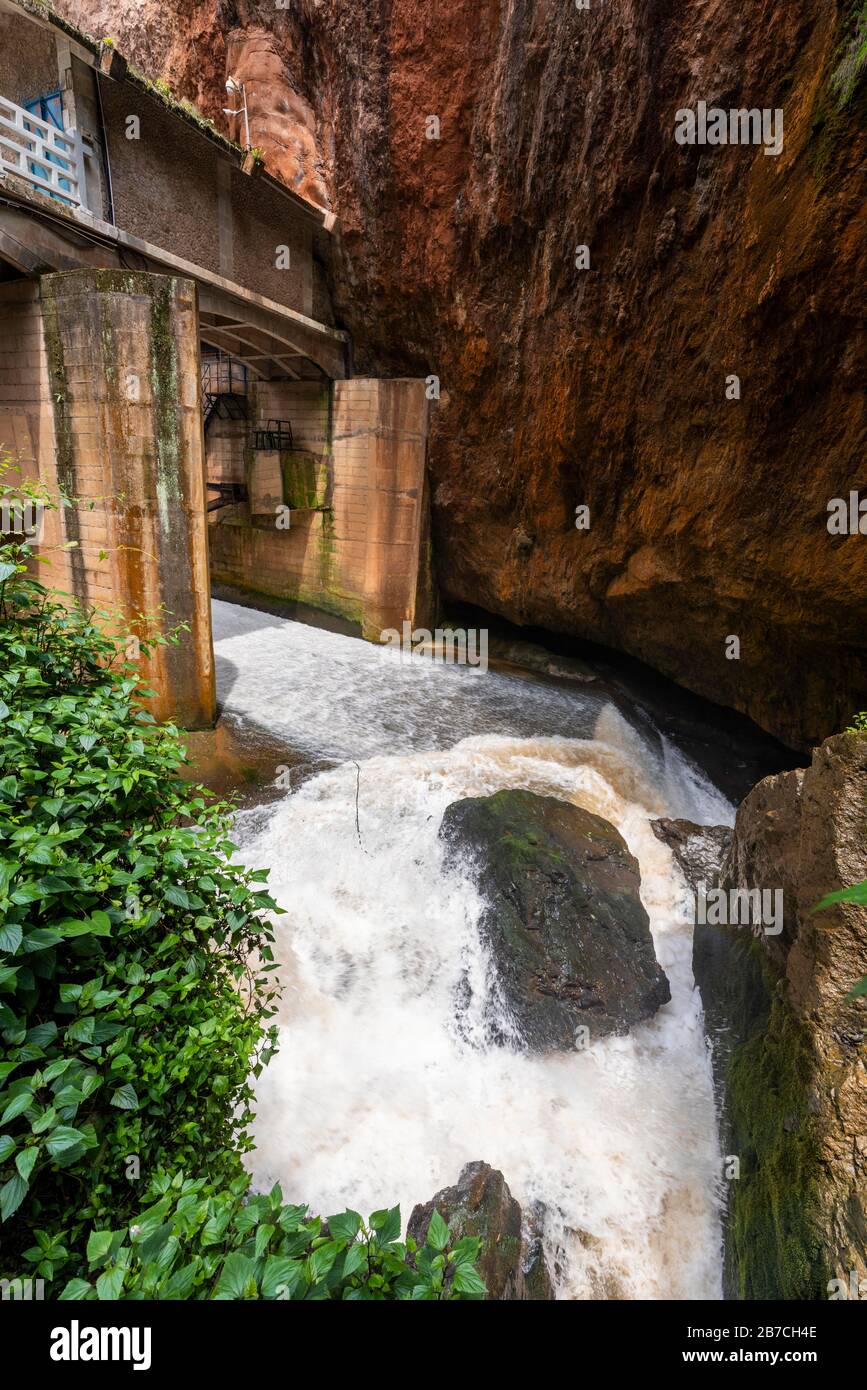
(135, 964)
(191, 1245)
(859, 724)
(136, 990)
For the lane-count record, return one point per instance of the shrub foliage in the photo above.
(136, 999)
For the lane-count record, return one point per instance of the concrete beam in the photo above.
(67, 244)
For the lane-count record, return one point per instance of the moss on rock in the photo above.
(775, 1248)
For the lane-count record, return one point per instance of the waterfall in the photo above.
(386, 1082)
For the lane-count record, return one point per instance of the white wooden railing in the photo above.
(49, 159)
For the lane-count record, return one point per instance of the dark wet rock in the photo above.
(511, 1262)
(700, 850)
(533, 657)
(565, 922)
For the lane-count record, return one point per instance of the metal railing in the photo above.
(49, 159)
(276, 435)
(223, 374)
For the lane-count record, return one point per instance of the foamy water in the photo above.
(386, 1083)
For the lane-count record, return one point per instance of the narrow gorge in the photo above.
(459, 257)
(605, 388)
(448, 426)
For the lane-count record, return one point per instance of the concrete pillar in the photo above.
(358, 545)
(123, 361)
(385, 422)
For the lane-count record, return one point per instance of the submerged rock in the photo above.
(511, 1262)
(532, 657)
(564, 920)
(700, 850)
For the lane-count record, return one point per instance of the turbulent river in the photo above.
(385, 1084)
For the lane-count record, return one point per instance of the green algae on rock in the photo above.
(565, 922)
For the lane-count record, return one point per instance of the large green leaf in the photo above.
(437, 1232)
(110, 1284)
(386, 1224)
(345, 1225)
(11, 1196)
(63, 1138)
(236, 1277)
(356, 1259)
(856, 894)
(322, 1259)
(75, 1290)
(125, 1098)
(98, 1246)
(281, 1276)
(10, 937)
(16, 1107)
(26, 1160)
(468, 1280)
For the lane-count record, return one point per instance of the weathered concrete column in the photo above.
(388, 419)
(358, 544)
(123, 362)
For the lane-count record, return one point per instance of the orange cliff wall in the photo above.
(604, 387)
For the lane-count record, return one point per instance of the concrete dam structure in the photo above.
(170, 366)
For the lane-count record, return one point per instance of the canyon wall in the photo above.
(602, 387)
(788, 1041)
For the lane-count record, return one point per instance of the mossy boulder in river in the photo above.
(564, 920)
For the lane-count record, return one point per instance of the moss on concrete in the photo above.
(305, 479)
(159, 88)
(164, 385)
(339, 605)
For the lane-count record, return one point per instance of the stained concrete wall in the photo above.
(114, 419)
(28, 59)
(175, 188)
(35, 61)
(26, 414)
(357, 546)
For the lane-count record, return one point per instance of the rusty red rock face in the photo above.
(603, 387)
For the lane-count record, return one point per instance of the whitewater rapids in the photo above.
(385, 1084)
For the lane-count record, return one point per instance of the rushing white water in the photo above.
(385, 1083)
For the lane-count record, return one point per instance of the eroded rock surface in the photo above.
(700, 850)
(790, 1047)
(512, 1262)
(566, 926)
